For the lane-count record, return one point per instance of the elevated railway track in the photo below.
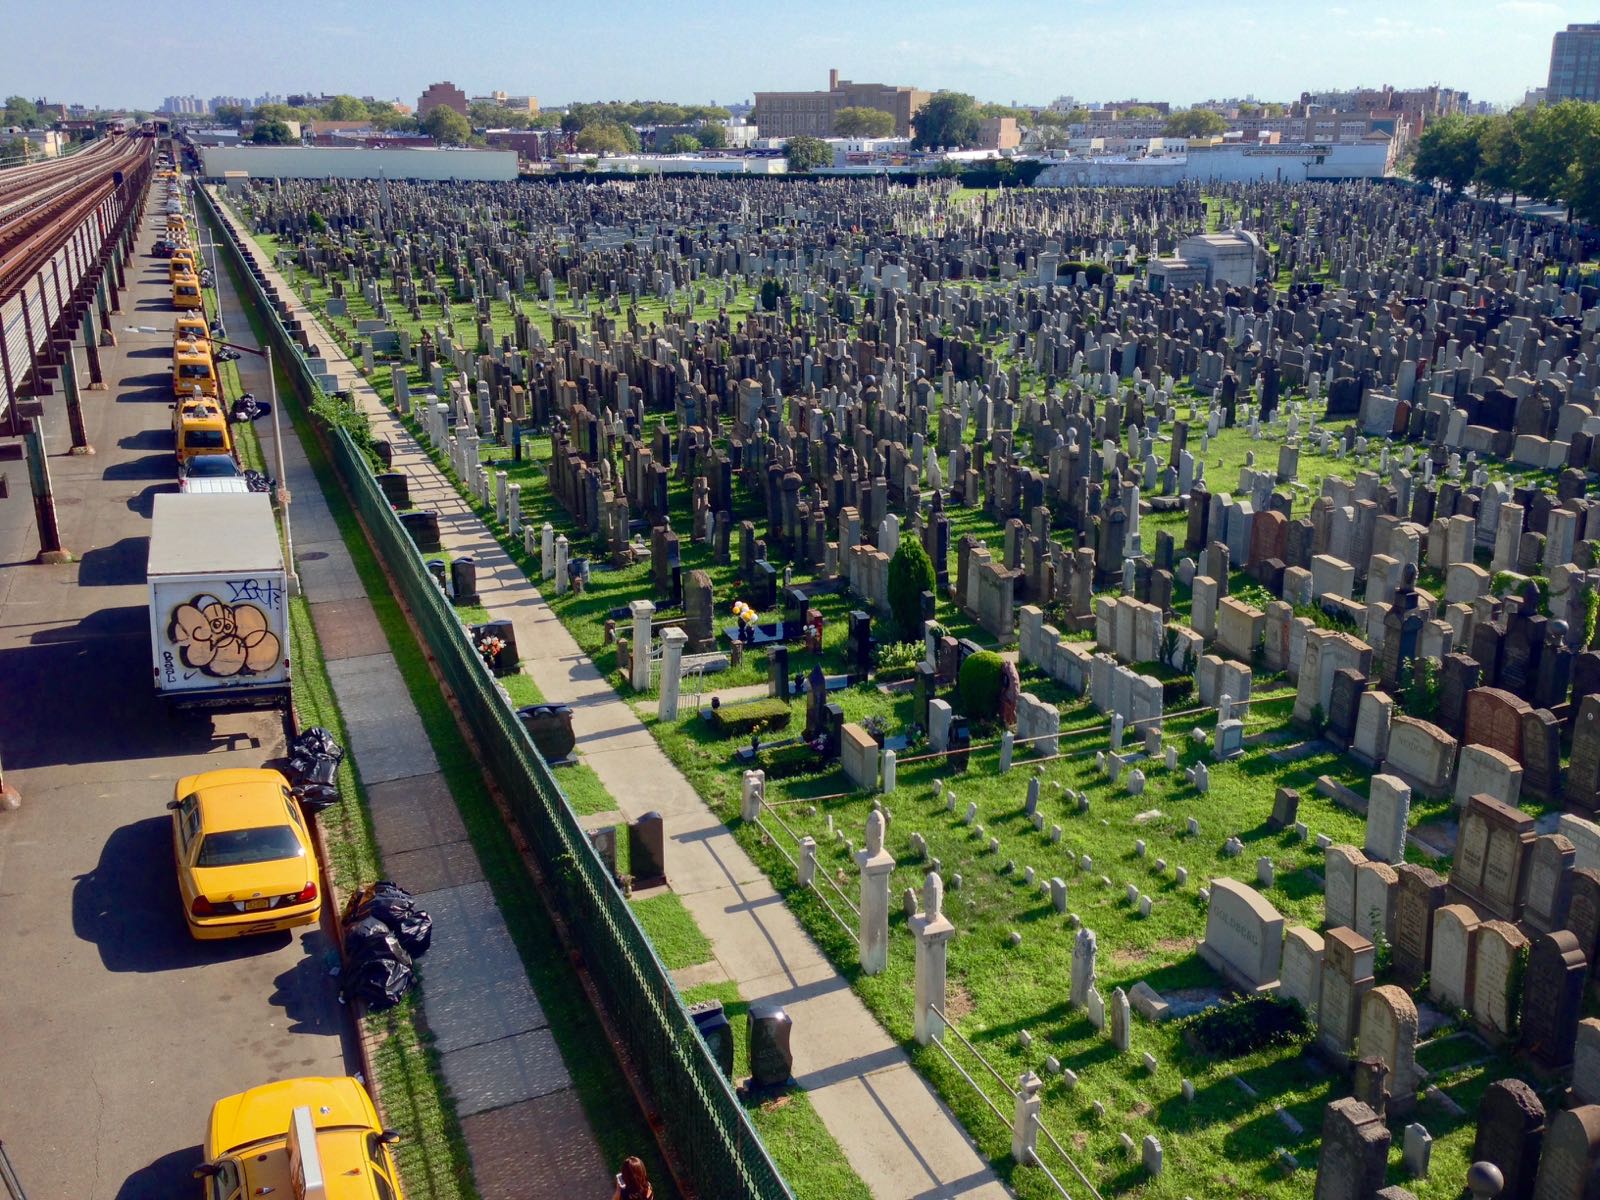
(66, 232)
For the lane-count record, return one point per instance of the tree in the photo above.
(1195, 122)
(392, 120)
(683, 143)
(229, 114)
(446, 126)
(1448, 151)
(1500, 154)
(22, 112)
(808, 153)
(1140, 112)
(910, 574)
(858, 122)
(947, 121)
(713, 135)
(1549, 143)
(1580, 190)
(271, 133)
(607, 137)
(345, 108)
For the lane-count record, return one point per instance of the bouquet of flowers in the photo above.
(489, 648)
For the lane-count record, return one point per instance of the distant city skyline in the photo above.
(112, 54)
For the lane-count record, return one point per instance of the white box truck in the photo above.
(219, 601)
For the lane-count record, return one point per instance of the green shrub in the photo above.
(980, 684)
(751, 716)
(1248, 1025)
(1094, 272)
(771, 289)
(910, 574)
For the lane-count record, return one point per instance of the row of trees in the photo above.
(1551, 153)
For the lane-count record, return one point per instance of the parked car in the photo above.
(244, 856)
(299, 1137)
(209, 474)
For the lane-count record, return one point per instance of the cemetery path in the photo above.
(522, 1119)
(889, 1123)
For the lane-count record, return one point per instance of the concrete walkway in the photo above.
(886, 1118)
(524, 1124)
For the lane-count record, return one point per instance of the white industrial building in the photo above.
(354, 162)
(1227, 163)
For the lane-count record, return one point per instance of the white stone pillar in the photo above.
(932, 930)
(561, 565)
(888, 770)
(673, 641)
(1025, 1122)
(1008, 744)
(876, 863)
(514, 507)
(501, 479)
(808, 860)
(753, 796)
(530, 540)
(547, 551)
(471, 444)
(643, 611)
(441, 422)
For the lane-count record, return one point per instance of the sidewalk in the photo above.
(895, 1132)
(524, 1124)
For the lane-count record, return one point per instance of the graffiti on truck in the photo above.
(223, 640)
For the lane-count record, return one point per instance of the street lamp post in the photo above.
(277, 441)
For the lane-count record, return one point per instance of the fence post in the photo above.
(932, 930)
(808, 861)
(888, 771)
(753, 796)
(876, 863)
(642, 611)
(1025, 1125)
(1008, 742)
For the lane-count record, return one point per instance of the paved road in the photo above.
(117, 1031)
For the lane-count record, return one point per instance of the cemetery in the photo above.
(1176, 711)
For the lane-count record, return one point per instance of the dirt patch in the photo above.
(1141, 1109)
(957, 1001)
(1128, 958)
(1175, 945)
(1080, 1140)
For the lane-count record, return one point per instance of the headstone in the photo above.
(1244, 936)
(1355, 1152)
(1511, 1132)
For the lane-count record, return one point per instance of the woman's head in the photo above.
(633, 1176)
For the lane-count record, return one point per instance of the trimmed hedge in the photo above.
(752, 716)
(980, 684)
(910, 574)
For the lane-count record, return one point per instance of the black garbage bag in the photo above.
(378, 981)
(315, 741)
(391, 905)
(376, 966)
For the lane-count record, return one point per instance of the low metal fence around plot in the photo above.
(719, 1151)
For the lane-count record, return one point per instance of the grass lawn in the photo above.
(672, 931)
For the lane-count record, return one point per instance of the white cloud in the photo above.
(1529, 8)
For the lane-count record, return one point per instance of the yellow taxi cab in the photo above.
(191, 327)
(319, 1138)
(186, 292)
(245, 860)
(192, 368)
(181, 263)
(199, 426)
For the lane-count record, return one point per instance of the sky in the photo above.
(117, 54)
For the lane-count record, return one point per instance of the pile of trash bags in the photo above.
(384, 931)
(314, 759)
